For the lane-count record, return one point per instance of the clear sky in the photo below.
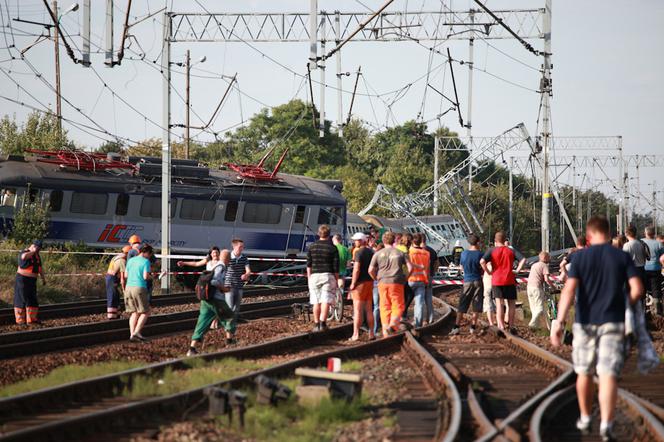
(606, 58)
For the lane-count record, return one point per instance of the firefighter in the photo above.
(114, 280)
(26, 307)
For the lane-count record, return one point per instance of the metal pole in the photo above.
(313, 43)
(436, 149)
(166, 155)
(471, 50)
(86, 33)
(188, 104)
(654, 205)
(340, 114)
(321, 111)
(58, 95)
(621, 206)
(546, 135)
(511, 203)
(109, 33)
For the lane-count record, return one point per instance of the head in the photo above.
(424, 240)
(388, 239)
(406, 239)
(597, 230)
(650, 232)
(126, 249)
(146, 251)
(36, 245)
(359, 239)
(618, 241)
(225, 256)
(324, 231)
(135, 241)
(417, 239)
(630, 232)
(457, 243)
(474, 241)
(660, 238)
(238, 246)
(214, 253)
(544, 256)
(581, 241)
(500, 238)
(336, 239)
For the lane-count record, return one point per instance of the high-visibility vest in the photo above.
(30, 267)
(419, 257)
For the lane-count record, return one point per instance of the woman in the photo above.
(216, 308)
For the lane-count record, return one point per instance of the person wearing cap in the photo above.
(137, 275)
(135, 243)
(456, 253)
(114, 280)
(26, 306)
(361, 286)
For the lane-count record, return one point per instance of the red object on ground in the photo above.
(80, 160)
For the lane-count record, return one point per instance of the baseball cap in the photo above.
(37, 243)
(359, 236)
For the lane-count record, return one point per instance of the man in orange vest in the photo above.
(114, 280)
(419, 277)
(25, 289)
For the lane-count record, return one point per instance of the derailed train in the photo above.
(102, 202)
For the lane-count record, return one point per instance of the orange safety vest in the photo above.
(30, 267)
(420, 257)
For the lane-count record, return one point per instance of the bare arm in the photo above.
(308, 272)
(356, 275)
(484, 266)
(566, 300)
(199, 263)
(373, 272)
(635, 289)
(521, 264)
(247, 273)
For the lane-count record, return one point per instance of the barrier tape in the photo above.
(158, 255)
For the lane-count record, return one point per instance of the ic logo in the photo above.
(118, 233)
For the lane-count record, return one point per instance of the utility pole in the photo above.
(621, 180)
(86, 34)
(58, 96)
(511, 203)
(654, 205)
(545, 90)
(109, 33)
(471, 50)
(166, 156)
(436, 150)
(321, 111)
(187, 63)
(340, 110)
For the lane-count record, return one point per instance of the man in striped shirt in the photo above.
(237, 274)
(322, 275)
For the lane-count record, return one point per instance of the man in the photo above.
(26, 306)
(387, 267)
(344, 257)
(361, 287)
(137, 275)
(472, 285)
(503, 279)
(580, 245)
(237, 274)
(322, 268)
(653, 267)
(597, 278)
(419, 277)
(135, 244)
(114, 281)
(456, 253)
(538, 276)
(637, 250)
(433, 268)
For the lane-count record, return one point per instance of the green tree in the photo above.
(31, 221)
(40, 131)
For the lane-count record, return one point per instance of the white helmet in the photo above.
(457, 243)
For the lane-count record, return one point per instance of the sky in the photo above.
(605, 76)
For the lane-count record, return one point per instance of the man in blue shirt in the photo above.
(473, 289)
(137, 275)
(597, 277)
(653, 267)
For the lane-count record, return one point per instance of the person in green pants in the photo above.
(216, 308)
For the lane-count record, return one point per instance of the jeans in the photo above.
(376, 309)
(428, 301)
(234, 299)
(419, 293)
(408, 296)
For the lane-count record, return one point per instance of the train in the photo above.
(101, 201)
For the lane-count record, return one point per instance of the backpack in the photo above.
(204, 288)
(646, 249)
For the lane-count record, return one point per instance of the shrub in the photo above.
(31, 222)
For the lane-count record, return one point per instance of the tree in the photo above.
(110, 146)
(31, 222)
(40, 131)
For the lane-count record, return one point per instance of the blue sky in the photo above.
(605, 76)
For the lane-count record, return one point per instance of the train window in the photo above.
(199, 210)
(122, 204)
(88, 203)
(259, 213)
(151, 207)
(231, 211)
(330, 215)
(299, 215)
(8, 197)
(55, 200)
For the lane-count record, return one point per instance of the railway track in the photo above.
(68, 337)
(85, 409)
(98, 306)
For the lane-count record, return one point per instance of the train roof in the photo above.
(353, 218)
(18, 171)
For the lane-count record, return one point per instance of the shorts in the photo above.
(136, 300)
(598, 348)
(322, 288)
(472, 294)
(489, 305)
(363, 291)
(504, 292)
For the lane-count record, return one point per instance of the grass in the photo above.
(352, 366)
(66, 374)
(198, 375)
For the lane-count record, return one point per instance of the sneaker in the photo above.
(583, 425)
(513, 330)
(231, 341)
(192, 352)
(472, 330)
(455, 331)
(606, 433)
(323, 326)
(140, 337)
(316, 327)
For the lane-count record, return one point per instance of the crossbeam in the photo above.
(387, 26)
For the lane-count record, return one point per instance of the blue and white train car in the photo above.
(275, 218)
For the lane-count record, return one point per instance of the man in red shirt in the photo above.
(503, 279)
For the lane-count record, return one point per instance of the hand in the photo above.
(352, 287)
(180, 263)
(244, 276)
(556, 333)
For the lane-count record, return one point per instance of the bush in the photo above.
(31, 222)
